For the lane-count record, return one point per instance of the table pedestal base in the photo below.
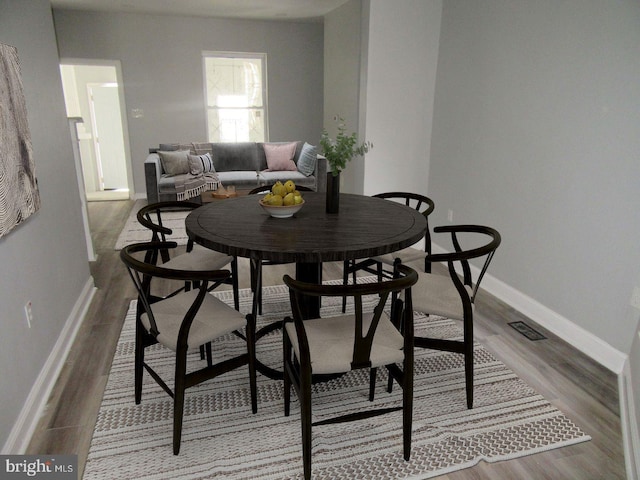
(305, 272)
(310, 273)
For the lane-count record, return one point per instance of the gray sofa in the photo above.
(235, 164)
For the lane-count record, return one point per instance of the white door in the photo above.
(108, 137)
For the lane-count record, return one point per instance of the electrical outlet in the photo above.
(450, 215)
(635, 298)
(28, 313)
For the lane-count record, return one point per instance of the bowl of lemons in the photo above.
(283, 201)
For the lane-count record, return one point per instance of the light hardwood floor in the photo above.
(585, 391)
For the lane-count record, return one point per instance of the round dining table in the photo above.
(364, 227)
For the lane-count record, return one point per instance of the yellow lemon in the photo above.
(297, 199)
(267, 197)
(290, 186)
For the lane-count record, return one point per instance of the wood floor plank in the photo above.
(584, 390)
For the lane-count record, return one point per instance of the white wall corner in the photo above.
(585, 341)
(27, 421)
(629, 421)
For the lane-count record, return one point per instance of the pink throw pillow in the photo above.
(280, 156)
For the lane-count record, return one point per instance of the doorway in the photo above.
(108, 140)
(94, 96)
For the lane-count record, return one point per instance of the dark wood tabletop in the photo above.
(364, 227)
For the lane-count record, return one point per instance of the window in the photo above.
(235, 96)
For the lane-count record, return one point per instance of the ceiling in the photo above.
(308, 10)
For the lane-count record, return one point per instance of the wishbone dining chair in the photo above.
(367, 339)
(453, 295)
(382, 265)
(153, 217)
(182, 321)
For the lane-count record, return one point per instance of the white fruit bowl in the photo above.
(284, 211)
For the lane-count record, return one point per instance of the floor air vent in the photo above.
(527, 331)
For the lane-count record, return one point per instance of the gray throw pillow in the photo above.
(308, 159)
(199, 164)
(175, 163)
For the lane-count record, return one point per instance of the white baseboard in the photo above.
(629, 421)
(578, 337)
(34, 406)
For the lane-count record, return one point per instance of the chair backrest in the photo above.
(419, 202)
(400, 314)
(151, 217)
(143, 271)
(491, 240)
(267, 189)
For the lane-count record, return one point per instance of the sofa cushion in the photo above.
(280, 156)
(269, 178)
(229, 157)
(174, 163)
(243, 179)
(200, 148)
(247, 180)
(195, 148)
(199, 164)
(170, 147)
(308, 159)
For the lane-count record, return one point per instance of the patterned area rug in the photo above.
(222, 439)
(133, 232)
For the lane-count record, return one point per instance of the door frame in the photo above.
(125, 131)
(123, 109)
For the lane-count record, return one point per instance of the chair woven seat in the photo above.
(214, 319)
(437, 295)
(331, 343)
(199, 258)
(406, 255)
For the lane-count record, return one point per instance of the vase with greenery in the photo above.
(339, 152)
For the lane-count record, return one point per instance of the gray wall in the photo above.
(400, 82)
(45, 258)
(161, 60)
(343, 57)
(537, 133)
